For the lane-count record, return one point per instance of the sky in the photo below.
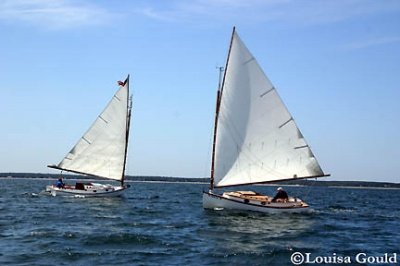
(334, 63)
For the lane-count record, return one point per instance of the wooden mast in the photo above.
(214, 139)
(219, 96)
(128, 122)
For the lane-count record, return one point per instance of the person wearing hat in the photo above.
(281, 195)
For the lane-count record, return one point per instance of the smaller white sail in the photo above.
(102, 149)
(257, 139)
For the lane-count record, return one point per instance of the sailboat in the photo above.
(256, 140)
(101, 152)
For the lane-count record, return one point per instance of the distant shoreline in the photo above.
(205, 181)
(103, 180)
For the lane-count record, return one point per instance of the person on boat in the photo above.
(60, 183)
(281, 196)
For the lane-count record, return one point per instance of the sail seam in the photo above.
(86, 140)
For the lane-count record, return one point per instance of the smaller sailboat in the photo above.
(101, 152)
(256, 140)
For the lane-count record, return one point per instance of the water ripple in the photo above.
(157, 224)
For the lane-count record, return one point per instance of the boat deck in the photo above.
(250, 195)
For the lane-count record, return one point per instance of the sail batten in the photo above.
(257, 140)
(284, 124)
(268, 91)
(101, 151)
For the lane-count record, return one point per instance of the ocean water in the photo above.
(165, 224)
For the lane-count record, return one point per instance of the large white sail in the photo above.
(257, 139)
(102, 149)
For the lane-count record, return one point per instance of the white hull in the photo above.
(87, 190)
(224, 201)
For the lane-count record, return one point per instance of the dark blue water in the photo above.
(164, 224)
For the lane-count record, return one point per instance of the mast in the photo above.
(215, 134)
(219, 95)
(102, 150)
(128, 122)
(256, 139)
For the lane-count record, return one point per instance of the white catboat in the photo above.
(101, 152)
(255, 139)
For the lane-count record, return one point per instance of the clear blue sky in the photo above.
(335, 64)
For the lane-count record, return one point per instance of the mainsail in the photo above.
(102, 149)
(257, 140)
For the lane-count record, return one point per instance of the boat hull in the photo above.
(224, 201)
(89, 190)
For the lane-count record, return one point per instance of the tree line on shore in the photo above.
(206, 180)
